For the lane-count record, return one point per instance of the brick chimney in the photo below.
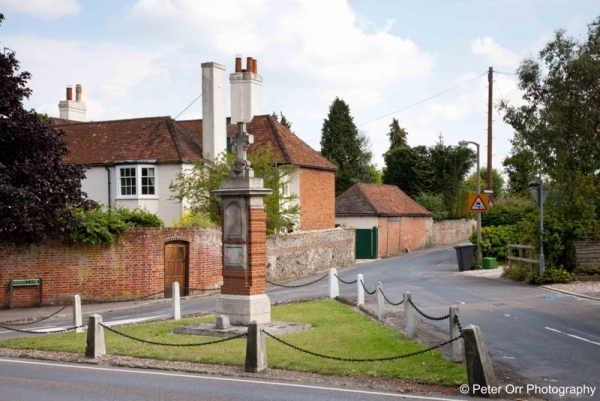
(246, 91)
(214, 120)
(72, 110)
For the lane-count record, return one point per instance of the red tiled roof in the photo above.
(168, 141)
(267, 131)
(379, 200)
(154, 138)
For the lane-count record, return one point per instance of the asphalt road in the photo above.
(548, 338)
(30, 380)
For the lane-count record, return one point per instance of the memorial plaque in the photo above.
(234, 221)
(235, 255)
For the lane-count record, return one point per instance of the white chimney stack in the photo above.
(72, 110)
(246, 91)
(214, 120)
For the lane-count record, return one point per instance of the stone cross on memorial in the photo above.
(243, 299)
(242, 167)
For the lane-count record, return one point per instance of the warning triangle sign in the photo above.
(478, 202)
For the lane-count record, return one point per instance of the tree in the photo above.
(520, 167)
(38, 191)
(410, 170)
(560, 121)
(282, 120)
(346, 147)
(194, 186)
(437, 170)
(397, 135)
(497, 182)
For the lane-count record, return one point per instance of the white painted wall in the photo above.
(96, 187)
(357, 221)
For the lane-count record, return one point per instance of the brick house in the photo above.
(402, 224)
(132, 162)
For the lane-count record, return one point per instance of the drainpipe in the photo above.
(109, 185)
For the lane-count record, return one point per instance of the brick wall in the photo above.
(317, 199)
(306, 252)
(132, 268)
(414, 233)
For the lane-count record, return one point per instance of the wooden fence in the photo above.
(525, 254)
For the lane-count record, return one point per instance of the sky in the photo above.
(422, 62)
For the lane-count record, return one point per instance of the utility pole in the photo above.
(489, 130)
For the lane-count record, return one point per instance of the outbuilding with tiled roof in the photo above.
(397, 222)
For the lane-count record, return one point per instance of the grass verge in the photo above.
(337, 331)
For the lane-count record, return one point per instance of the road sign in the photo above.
(479, 202)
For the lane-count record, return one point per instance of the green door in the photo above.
(366, 243)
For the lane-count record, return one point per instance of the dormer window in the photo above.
(136, 181)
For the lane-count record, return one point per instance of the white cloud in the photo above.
(498, 55)
(325, 40)
(42, 9)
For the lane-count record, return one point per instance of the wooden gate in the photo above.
(176, 267)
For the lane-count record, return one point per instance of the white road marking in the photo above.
(506, 315)
(573, 336)
(229, 379)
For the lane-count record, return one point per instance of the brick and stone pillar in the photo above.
(243, 298)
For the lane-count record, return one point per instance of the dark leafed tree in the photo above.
(560, 120)
(38, 191)
(520, 167)
(397, 135)
(346, 147)
(282, 120)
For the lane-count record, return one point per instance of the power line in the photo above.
(424, 100)
(505, 73)
(188, 106)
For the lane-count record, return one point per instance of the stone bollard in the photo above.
(77, 321)
(380, 301)
(456, 347)
(479, 366)
(256, 352)
(334, 285)
(360, 291)
(95, 338)
(409, 316)
(176, 301)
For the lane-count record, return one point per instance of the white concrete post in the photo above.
(480, 371)
(334, 285)
(360, 291)
(409, 316)
(456, 347)
(77, 313)
(95, 338)
(175, 301)
(380, 301)
(256, 352)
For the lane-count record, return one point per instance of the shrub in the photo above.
(508, 212)
(199, 219)
(99, 224)
(551, 275)
(495, 240)
(518, 271)
(592, 271)
(433, 203)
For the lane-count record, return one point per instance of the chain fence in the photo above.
(388, 301)
(367, 291)
(300, 285)
(43, 332)
(384, 359)
(36, 320)
(171, 344)
(426, 316)
(346, 282)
